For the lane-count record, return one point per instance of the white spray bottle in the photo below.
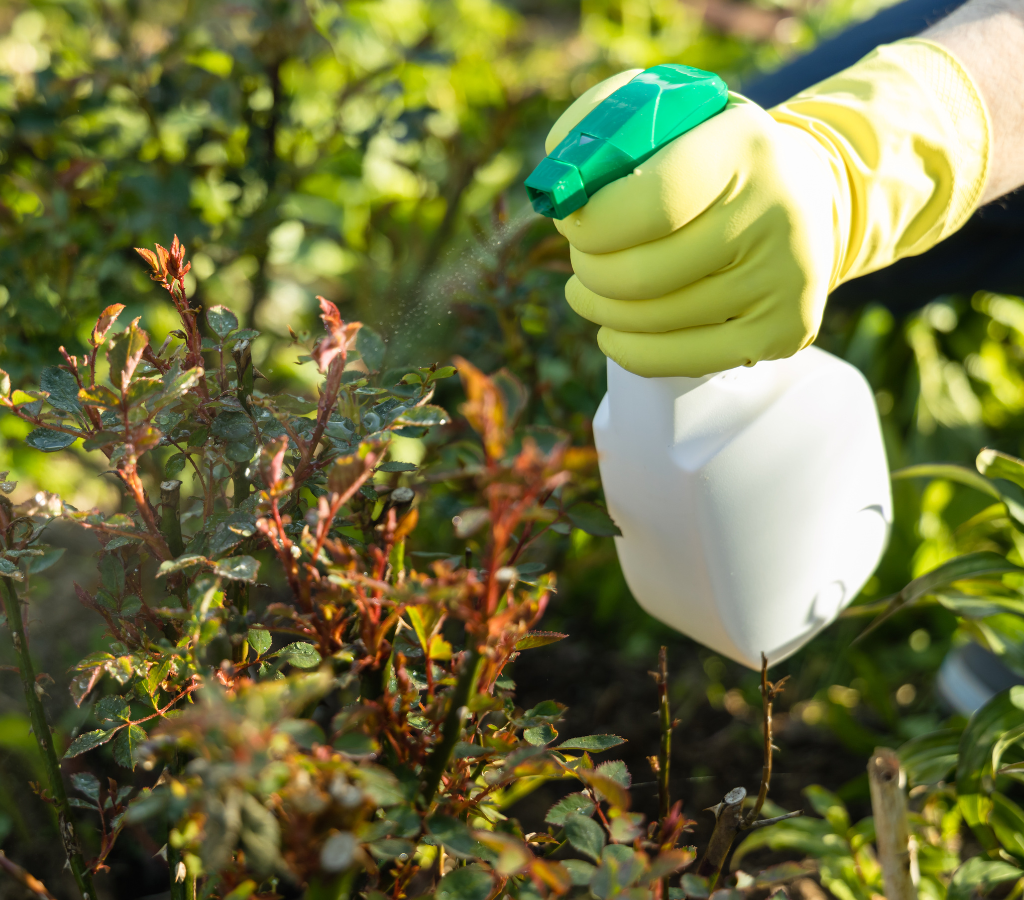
(754, 504)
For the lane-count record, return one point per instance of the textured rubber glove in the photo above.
(720, 250)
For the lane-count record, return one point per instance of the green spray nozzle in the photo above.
(622, 131)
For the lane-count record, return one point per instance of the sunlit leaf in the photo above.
(592, 742)
(222, 321)
(89, 741)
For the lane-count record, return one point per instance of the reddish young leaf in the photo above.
(108, 317)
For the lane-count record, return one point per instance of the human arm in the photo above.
(987, 36)
(713, 254)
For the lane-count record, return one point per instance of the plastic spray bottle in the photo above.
(754, 504)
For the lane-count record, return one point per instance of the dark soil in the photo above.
(713, 749)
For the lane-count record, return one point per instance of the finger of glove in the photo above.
(661, 267)
(710, 301)
(694, 352)
(583, 105)
(679, 182)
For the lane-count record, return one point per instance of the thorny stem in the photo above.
(666, 723)
(665, 749)
(439, 757)
(729, 817)
(130, 477)
(41, 729)
(769, 691)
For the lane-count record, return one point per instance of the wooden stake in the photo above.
(892, 833)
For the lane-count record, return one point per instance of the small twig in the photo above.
(761, 823)
(25, 879)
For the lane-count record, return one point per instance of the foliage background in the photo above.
(372, 152)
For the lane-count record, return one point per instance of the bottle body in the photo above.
(754, 504)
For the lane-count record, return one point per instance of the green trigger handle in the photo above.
(622, 131)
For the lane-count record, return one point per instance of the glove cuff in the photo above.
(908, 138)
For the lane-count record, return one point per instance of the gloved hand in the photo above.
(720, 250)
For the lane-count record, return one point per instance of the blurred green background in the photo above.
(373, 152)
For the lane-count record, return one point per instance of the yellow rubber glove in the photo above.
(720, 250)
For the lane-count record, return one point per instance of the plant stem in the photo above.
(41, 729)
(170, 524)
(24, 878)
(441, 755)
(664, 751)
(728, 818)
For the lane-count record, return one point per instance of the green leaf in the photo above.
(10, 570)
(423, 416)
(232, 426)
(533, 639)
(181, 563)
(929, 758)
(222, 321)
(300, 654)
(454, 835)
(89, 741)
(238, 568)
(112, 573)
(124, 354)
(593, 742)
(465, 883)
(126, 746)
(62, 388)
(579, 871)
(994, 464)
(585, 835)
(1007, 821)
(973, 565)
(142, 389)
(694, 886)
(540, 735)
(589, 517)
(112, 711)
(98, 395)
(571, 805)
(42, 563)
(260, 640)
(394, 466)
(806, 836)
(950, 472)
(615, 770)
(391, 848)
(49, 441)
(989, 732)
(978, 875)
(174, 465)
(87, 784)
(371, 348)
(442, 372)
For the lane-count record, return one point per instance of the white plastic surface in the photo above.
(754, 504)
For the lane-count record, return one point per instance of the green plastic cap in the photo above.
(621, 132)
